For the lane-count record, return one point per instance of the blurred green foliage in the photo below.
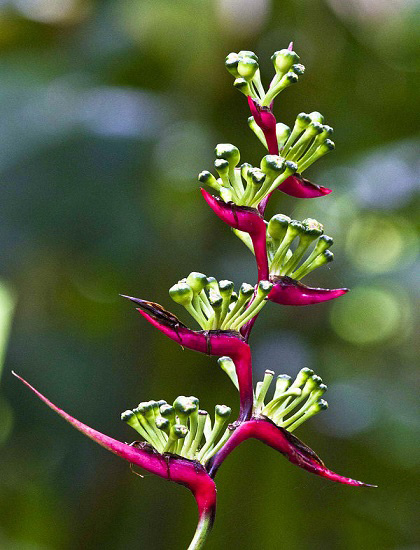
(108, 111)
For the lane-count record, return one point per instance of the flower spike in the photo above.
(185, 472)
(211, 342)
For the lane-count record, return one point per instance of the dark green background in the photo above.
(108, 110)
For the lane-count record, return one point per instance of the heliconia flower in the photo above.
(210, 342)
(190, 473)
(243, 219)
(272, 423)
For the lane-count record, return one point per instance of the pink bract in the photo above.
(186, 472)
(288, 292)
(281, 440)
(211, 342)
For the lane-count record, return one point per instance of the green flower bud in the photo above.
(282, 132)
(264, 288)
(303, 120)
(290, 167)
(226, 364)
(181, 293)
(302, 377)
(284, 59)
(316, 117)
(215, 299)
(179, 431)
(247, 53)
(231, 64)
(212, 283)
(246, 290)
(257, 176)
(247, 67)
(313, 227)
(228, 152)
(129, 417)
(298, 69)
(242, 85)
(167, 411)
(222, 167)
(184, 405)
(282, 383)
(272, 165)
(278, 225)
(162, 423)
(319, 406)
(208, 179)
(222, 411)
(245, 168)
(197, 281)
(233, 297)
(226, 288)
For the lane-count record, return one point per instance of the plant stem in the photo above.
(203, 529)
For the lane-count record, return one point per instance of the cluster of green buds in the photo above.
(245, 68)
(281, 232)
(246, 185)
(292, 402)
(215, 305)
(181, 428)
(305, 143)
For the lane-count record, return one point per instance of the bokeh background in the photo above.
(108, 111)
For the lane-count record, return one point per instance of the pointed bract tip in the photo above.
(135, 300)
(290, 48)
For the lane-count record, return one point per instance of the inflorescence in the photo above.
(181, 428)
(306, 390)
(215, 305)
(305, 143)
(246, 185)
(281, 232)
(245, 68)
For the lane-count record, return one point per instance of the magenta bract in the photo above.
(186, 472)
(245, 219)
(267, 122)
(288, 292)
(287, 444)
(211, 342)
(301, 188)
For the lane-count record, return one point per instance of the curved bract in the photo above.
(267, 122)
(288, 292)
(210, 342)
(185, 472)
(281, 440)
(301, 188)
(244, 219)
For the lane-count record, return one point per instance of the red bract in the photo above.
(267, 122)
(281, 440)
(301, 188)
(186, 472)
(288, 292)
(210, 342)
(245, 219)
